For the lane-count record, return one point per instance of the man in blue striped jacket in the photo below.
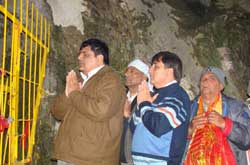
(161, 122)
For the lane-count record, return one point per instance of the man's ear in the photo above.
(145, 78)
(100, 59)
(170, 71)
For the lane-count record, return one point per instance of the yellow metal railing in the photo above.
(24, 46)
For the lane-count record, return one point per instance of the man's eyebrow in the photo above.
(82, 51)
(154, 62)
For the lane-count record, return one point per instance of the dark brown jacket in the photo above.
(91, 121)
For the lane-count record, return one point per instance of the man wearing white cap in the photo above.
(220, 125)
(136, 72)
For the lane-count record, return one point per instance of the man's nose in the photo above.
(150, 70)
(126, 73)
(80, 57)
(204, 82)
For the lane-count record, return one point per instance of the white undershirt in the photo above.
(131, 98)
(170, 83)
(90, 74)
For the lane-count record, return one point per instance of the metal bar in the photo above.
(30, 69)
(15, 68)
(24, 73)
(41, 38)
(12, 113)
(2, 105)
(31, 79)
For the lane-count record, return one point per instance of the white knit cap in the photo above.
(141, 66)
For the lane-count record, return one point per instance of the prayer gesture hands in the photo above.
(72, 83)
(144, 93)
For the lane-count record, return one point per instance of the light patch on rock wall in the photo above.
(227, 64)
(68, 13)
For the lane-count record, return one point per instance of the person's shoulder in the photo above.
(109, 74)
(177, 92)
(232, 101)
(195, 100)
(108, 70)
(182, 91)
(174, 90)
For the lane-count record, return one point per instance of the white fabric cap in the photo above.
(141, 66)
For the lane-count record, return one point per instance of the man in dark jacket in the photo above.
(90, 112)
(136, 72)
(212, 109)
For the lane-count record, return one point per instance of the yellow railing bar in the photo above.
(2, 104)
(12, 114)
(36, 47)
(15, 68)
(23, 120)
(31, 59)
(31, 142)
(48, 46)
(14, 8)
(41, 37)
(28, 80)
(24, 71)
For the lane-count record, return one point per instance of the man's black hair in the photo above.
(98, 47)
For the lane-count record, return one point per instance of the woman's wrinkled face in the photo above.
(210, 85)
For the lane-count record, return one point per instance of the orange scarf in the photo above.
(216, 106)
(208, 145)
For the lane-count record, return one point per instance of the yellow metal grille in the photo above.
(24, 46)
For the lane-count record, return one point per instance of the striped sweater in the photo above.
(160, 128)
